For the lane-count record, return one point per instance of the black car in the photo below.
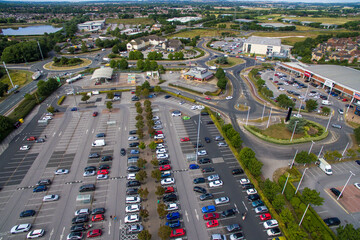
(199, 145)
(94, 155)
(164, 162)
(228, 213)
(104, 166)
(44, 182)
(133, 169)
(209, 122)
(199, 180)
(123, 152)
(336, 192)
(133, 184)
(237, 171)
(334, 221)
(358, 162)
(132, 191)
(80, 219)
(134, 98)
(134, 144)
(208, 169)
(233, 227)
(207, 140)
(204, 113)
(204, 160)
(247, 186)
(169, 198)
(199, 189)
(253, 197)
(78, 228)
(132, 132)
(27, 213)
(90, 168)
(206, 196)
(167, 96)
(106, 158)
(100, 135)
(98, 211)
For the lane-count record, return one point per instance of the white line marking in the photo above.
(197, 215)
(245, 206)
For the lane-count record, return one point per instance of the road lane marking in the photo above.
(197, 215)
(245, 206)
(187, 216)
(60, 134)
(87, 130)
(109, 227)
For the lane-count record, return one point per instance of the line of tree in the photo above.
(148, 65)
(121, 64)
(70, 28)
(107, 43)
(222, 80)
(176, 56)
(155, 56)
(136, 55)
(247, 157)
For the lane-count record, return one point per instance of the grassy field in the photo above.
(328, 20)
(18, 77)
(202, 33)
(232, 62)
(135, 21)
(280, 131)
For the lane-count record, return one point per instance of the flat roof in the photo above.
(263, 41)
(105, 72)
(346, 76)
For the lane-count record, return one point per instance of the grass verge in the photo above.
(50, 65)
(18, 77)
(232, 62)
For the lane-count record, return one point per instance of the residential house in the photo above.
(136, 44)
(172, 45)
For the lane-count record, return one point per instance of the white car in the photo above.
(298, 115)
(47, 118)
(176, 113)
(222, 144)
(213, 177)
(132, 218)
(181, 102)
(82, 211)
(61, 171)
(228, 97)
(155, 118)
(131, 176)
(251, 191)
(216, 183)
(159, 136)
(162, 156)
(357, 185)
(270, 224)
(132, 199)
(200, 107)
(167, 181)
(281, 89)
(36, 233)
(102, 176)
(25, 147)
(89, 173)
(158, 122)
(160, 146)
(221, 200)
(132, 208)
(162, 150)
(172, 207)
(244, 181)
(133, 138)
(201, 153)
(25, 227)
(193, 107)
(157, 127)
(50, 198)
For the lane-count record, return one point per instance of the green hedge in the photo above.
(186, 89)
(216, 93)
(61, 100)
(115, 91)
(23, 109)
(179, 96)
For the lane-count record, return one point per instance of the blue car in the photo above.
(134, 151)
(194, 166)
(257, 203)
(166, 174)
(173, 216)
(40, 188)
(74, 109)
(208, 209)
(27, 213)
(173, 224)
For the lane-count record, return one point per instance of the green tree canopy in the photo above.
(312, 197)
(311, 105)
(301, 122)
(348, 232)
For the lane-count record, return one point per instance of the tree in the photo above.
(286, 216)
(146, 85)
(84, 98)
(71, 50)
(139, 110)
(284, 101)
(145, 92)
(348, 232)
(159, 191)
(140, 64)
(139, 124)
(138, 104)
(57, 48)
(236, 141)
(144, 235)
(123, 64)
(296, 232)
(148, 109)
(157, 89)
(4, 87)
(222, 60)
(270, 189)
(140, 134)
(311, 105)
(139, 117)
(312, 197)
(161, 209)
(325, 110)
(143, 192)
(278, 202)
(142, 145)
(110, 95)
(141, 163)
(144, 213)
(301, 122)
(164, 232)
(155, 163)
(141, 175)
(304, 157)
(171, 56)
(357, 134)
(50, 109)
(84, 47)
(152, 145)
(156, 174)
(5, 125)
(109, 105)
(220, 73)
(222, 82)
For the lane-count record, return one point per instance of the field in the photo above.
(18, 77)
(202, 33)
(134, 21)
(340, 20)
(232, 62)
(279, 131)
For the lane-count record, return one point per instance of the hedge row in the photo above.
(184, 88)
(61, 100)
(179, 96)
(23, 109)
(115, 91)
(216, 93)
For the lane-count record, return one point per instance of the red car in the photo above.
(132, 92)
(344, 100)
(276, 81)
(265, 216)
(207, 98)
(165, 167)
(103, 171)
(212, 223)
(158, 132)
(95, 114)
(94, 233)
(185, 139)
(31, 138)
(98, 218)
(177, 232)
(169, 189)
(211, 216)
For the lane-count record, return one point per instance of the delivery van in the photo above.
(98, 143)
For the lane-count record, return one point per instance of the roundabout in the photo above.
(51, 67)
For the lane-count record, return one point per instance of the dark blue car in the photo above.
(74, 109)
(27, 213)
(208, 209)
(194, 166)
(173, 216)
(173, 224)
(199, 180)
(40, 188)
(257, 203)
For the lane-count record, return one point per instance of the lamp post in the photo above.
(269, 118)
(292, 135)
(327, 125)
(320, 151)
(282, 192)
(262, 115)
(312, 143)
(197, 141)
(292, 162)
(297, 189)
(347, 109)
(304, 214)
(342, 155)
(247, 117)
(351, 174)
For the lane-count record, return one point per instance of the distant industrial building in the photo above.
(198, 74)
(243, 20)
(264, 46)
(91, 26)
(274, 25)
(183, 19)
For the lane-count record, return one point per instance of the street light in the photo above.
(351, 174)
(292, 162)
(269, 118)
(327, 126)
(282, 192)
(312, 143)
(292, 135)
(197, 141)
(342, 155)
(247, 117)
(297, 189)
(262, 115)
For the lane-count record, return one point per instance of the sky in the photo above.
(308, 1)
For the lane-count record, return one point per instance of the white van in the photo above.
(325, 102)
(98, 143)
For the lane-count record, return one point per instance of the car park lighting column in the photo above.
(247, 117)
(269, 118)
(282, 192)
(320, 151)
(292, 162)
(327, 126)
(304, 214)
(301, 102)
(347, 109)
(342, 155)
(312, 143)
(292, 135)
(297, 189)
(351, 174)
(197, 140)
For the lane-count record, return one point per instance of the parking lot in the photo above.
(229, 45)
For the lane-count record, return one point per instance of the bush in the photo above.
(22, 110)
(61, 100)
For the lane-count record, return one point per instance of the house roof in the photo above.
(263, 41)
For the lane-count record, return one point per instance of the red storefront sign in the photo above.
(357, 96)
(308, 74)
